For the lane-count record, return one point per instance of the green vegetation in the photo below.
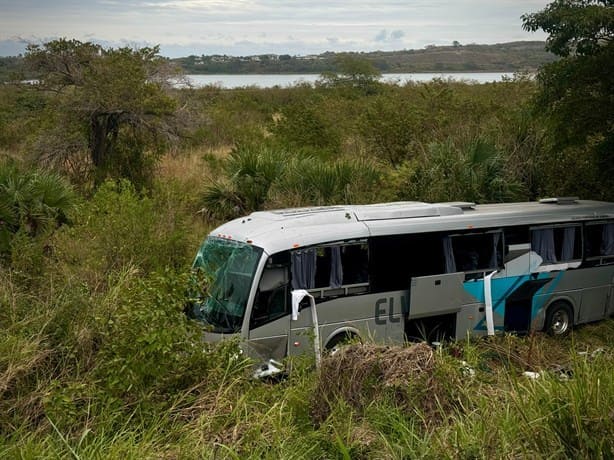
(98, 360)
(32, 204)
(577, 92)
(108, 102)
(501, 57)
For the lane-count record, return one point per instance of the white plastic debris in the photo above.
(467, 370)
(268, 369)
(531, 375)
(597, 351)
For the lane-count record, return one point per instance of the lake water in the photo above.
(270, 80)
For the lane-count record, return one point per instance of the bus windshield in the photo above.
(228, 268)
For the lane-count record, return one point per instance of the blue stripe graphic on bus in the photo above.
(512, 291)
(539, 300)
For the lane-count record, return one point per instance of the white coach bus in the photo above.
(402, 271)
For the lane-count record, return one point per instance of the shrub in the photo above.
(308, 181)
(476, 172)
(250, 173)
(147, 345)
(260, 177)
(392, 128)
(307, 127)
(33, 203)
(120, 227)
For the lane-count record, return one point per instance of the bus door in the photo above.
(434, 303)
(269, 320)
(302, 334)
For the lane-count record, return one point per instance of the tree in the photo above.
(353, 73)
(112, 103)
(577, 91)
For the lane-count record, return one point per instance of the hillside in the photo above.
(502, 57)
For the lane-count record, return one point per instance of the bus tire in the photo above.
(339, 340)
(559, 319)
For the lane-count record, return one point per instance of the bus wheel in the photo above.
(559, 319)
(339, 341)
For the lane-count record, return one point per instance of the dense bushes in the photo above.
(397, 127)
(258, 177)
(475, 172)
(430, 141)
(93, 329)
(98, 360)
(119, 226)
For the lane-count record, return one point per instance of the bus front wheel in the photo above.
(559, 319)
(338, 341)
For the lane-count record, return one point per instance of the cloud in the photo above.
(382, 36)
(230, 25)
(397, 34)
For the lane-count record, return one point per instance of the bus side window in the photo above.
(323, 267)
(395, 259)
(333, 269)
(355, 263)
(517, 242)
(599, 242)
(557, 244)
(473, 252)
(341, 265)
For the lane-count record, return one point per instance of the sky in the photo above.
(249, 27)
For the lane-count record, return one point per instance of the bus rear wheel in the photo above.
(559, 319)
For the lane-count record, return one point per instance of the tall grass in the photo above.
(97, 359)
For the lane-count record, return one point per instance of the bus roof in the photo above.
(277, 230)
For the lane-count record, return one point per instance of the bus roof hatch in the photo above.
(404, 210)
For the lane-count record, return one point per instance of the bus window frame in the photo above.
(600, 259)
(473, 274)
(563, 264)
(345, 290)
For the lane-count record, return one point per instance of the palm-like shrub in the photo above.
(476, 171)
(259, 177)
(31, 202)
(249, 175)
(310, 181)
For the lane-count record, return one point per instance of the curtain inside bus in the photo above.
(569, 240)
(303, 269)
(607, 240)
(542, 242)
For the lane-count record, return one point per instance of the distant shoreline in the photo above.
(471, 58)
(438, 71)
(270, 80)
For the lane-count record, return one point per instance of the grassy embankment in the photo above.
(98, 360)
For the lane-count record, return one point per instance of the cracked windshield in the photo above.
(228, 268)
